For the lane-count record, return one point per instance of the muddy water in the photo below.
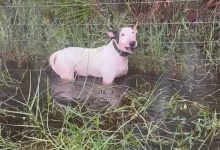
(199, 84)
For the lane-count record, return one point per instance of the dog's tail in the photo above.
(52, 60)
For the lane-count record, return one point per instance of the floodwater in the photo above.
(199, 85)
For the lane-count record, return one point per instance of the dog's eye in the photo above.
(122, 34)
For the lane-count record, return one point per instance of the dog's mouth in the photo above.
(130, 48)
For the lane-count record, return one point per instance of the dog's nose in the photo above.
(132, 44)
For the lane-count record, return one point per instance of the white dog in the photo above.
(109, 61)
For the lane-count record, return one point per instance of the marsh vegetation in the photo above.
(173, 101)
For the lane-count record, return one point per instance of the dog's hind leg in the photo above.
(65, 72)
(67, 76)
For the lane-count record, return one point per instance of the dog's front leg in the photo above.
(108, 81)
(108, 78)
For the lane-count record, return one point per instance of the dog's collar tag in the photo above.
(120, 52)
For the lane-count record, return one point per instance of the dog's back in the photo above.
(76, 59)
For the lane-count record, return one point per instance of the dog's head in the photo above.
(125, 38)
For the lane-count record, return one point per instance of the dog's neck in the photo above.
(120, 52)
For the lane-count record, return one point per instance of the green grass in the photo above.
(39, 31)
(32, 30)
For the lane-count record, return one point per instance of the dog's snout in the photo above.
(132, 44)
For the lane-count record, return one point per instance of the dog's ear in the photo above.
(111, 33)
(135, 27)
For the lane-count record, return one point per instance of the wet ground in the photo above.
(197, 86)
